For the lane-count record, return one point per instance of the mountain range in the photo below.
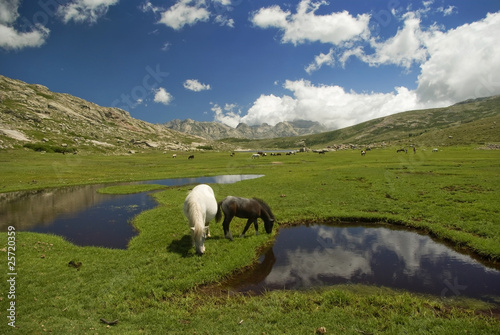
(34, 117)
(217, 131)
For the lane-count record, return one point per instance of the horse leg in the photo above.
(207, 228)
(246, 227)
(256, 225)
(225, 226)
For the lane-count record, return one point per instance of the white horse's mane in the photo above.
(196, 221)
(200, 207)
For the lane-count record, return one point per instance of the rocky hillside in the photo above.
(216, 131)
(32, 116)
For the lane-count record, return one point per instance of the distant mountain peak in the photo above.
(217, 131)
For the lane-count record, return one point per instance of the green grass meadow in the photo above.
(158, 285)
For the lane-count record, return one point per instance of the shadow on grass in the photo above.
(184, 246)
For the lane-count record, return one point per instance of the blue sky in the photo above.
(254, 61)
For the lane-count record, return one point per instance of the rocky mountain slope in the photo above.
(33, 116)
(216, 131)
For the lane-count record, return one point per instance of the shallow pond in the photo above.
(85, 217)
(319, 255)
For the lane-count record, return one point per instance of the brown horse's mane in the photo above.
(266, 207)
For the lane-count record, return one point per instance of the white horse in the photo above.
(200, 208)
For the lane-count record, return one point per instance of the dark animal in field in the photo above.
(251, 209)
(401, 150)
(191, 157)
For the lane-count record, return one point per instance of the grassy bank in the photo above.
(153, 287)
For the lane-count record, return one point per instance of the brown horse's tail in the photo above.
(218, 216)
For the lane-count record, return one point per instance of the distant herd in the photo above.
(320, 151)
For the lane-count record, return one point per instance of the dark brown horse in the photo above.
(250, 209)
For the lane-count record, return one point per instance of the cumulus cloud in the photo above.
(185, 12)
(81, 11)
(320, 60)
(224, 21)
(403, 49)
(162, 96)
(190, 12)
(305, 25)
(227, 115)
(463, 63)
(195, 85)
(10, 37)
(454, 65)
(329, 105)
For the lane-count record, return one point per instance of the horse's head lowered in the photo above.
(199, 239)
(267, 216)
(268, 225)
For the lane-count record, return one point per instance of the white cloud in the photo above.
(166, 46)
(228, 115)
(148, 6)
(10, 38)
(448, 10)
(305, 25)
(224, 21)
(320, 60)
(81, 11)
(162, 96)
(403, 49)
(463, 63)
(195, 85)
(329, 105)
(455, 65)
(185, 12)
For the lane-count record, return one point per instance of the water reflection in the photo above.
(85, 217)
(304, 257)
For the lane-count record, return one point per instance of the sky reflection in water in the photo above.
(318, 255)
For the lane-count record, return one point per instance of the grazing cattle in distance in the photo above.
(401, 150)
(363, 152)
(435, 150)
(255, 156)
(174, 156)
(191, 157)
